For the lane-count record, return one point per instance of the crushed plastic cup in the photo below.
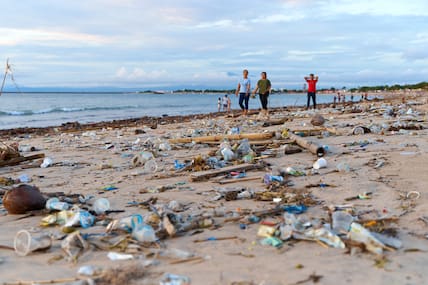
(119, 256)
(164, 146)
(228, 154)
(268, 178)
(142, 158)
(126, 223)
(55, 204)
(358, 233)
(24, 178)
(144, 233)
(343, 167)
(244, 148)
(86, 219)
(341, 221)
(326, 236)
(47, 161)
(320, 163)
(178, 165)
(73, 245)
(293, 172)
(146, 156)
(88, 270)
(150, 166)
(24, 243)
(173, 279)
(101, 205)
(272, 241)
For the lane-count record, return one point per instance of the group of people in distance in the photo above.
(263, 88)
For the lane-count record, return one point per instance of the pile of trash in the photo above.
(344, 231)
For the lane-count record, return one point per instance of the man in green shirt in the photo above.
(263, 87)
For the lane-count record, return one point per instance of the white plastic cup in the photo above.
(101, 205)
(46, 162)
(320, 163)
(24, 243)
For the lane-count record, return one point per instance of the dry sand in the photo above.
(86, 161)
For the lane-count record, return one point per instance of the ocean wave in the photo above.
(62, 110)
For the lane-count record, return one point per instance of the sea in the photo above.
(54, 109)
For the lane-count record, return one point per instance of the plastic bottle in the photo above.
(55, 204)
(268, 178)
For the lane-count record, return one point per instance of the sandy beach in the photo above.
(377, 176)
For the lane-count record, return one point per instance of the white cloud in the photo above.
(215, 24)
(253, 53)
(138, 74)
(377, 7)
(278, 18)
(13, 37)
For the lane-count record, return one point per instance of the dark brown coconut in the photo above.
(317, 120)
(23, 198)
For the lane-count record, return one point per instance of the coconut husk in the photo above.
(317, 120)
(23, 198)
(8, 151)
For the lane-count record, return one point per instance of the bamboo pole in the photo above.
(4, 78)
(251, 136)
(203, 175)
(309, 145)
(17, 160)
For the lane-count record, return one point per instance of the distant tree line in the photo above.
(395, 87)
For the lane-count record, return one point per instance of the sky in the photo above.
(170, 44)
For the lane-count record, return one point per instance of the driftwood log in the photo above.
(18, 160)
(309, 145)
(252, 136)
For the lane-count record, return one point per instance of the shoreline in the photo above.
(153, 121)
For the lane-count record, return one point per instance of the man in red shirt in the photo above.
(312, 89)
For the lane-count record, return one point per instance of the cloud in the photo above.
(377, 7)
(139, 74)
(253, 53)
(278, 18)
(225, 23)
(14, 37)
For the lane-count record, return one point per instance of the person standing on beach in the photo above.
(224, 102)
(312, 89)
(219, 104)
(243, 89)
(229, 104)
(263, 87)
